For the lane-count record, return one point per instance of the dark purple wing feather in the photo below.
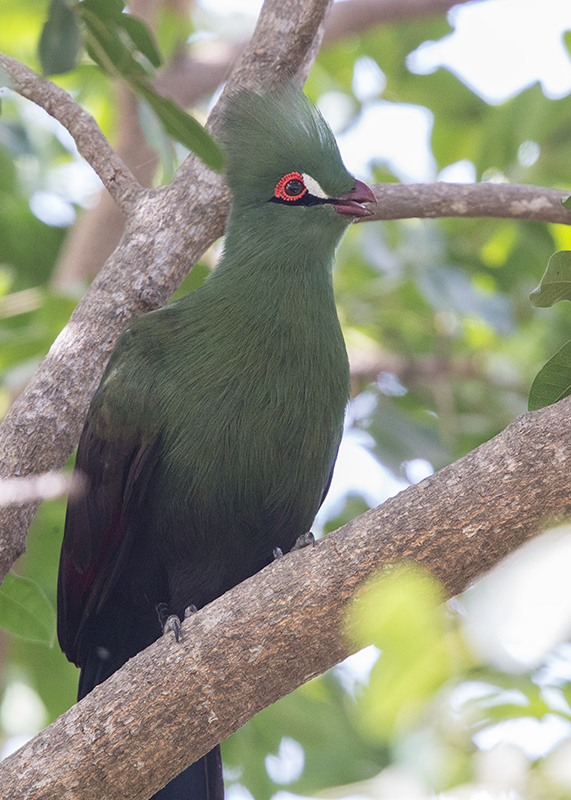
(98, 533)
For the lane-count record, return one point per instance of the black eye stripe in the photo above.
(305, 199)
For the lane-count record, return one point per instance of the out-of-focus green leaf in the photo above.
(25, 610)
(556, 282)
(318, 717)
(553, 381)
(173, 28)
(111, 17)
(566, 202)
(141, 37)
(105, 9)
(184, 128)
(400, 611)
(59, 43)
(107, 49)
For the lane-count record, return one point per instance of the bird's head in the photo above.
(283, 162)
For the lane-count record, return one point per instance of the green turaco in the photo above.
(210, 443)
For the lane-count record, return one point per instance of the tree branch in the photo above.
(167, 232)
(355, 16)
(285, 625)
(93, 146)
(508, 201)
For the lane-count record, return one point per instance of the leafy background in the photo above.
(445, 346)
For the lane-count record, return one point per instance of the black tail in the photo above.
(201, 781)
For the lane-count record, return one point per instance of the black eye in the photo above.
(294, 187)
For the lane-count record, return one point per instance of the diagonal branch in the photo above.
(172, 703)
(91, 143)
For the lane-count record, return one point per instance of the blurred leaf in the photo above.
(105, 9)
(58, 47)
(354, 506)
(319, 717)
(398, 606)
(141, 37)
(556, 282)
(111, 16)
(106, 47)
(182, 127)
(172, 29)
(399, 611)
(553, 381)
(403, 434)
(25, 610)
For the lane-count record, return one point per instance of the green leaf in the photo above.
(556, 282)
(25, 610)
(58, 47)
(141, 37)
(399, 611)
(107, 49)
(109, 14)
(566, 202)
(182, 127)
(553, 381)
(105, 9)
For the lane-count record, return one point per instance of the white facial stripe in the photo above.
(313, 187)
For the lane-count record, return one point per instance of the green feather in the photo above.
(267, 135)
(241, 386)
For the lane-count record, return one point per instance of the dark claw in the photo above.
(172, 624)
(305, 540)
(190, 610)
(168, 622)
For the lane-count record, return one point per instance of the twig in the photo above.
(508, 201)
(355, 16)
(39, 487)
(93, 146)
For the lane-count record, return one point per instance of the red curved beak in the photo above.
(350, 203)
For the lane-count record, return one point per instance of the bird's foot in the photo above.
(172, 622)
(305, 540)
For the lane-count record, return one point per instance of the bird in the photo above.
(209, 445)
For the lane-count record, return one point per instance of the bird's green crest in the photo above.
(270, 132)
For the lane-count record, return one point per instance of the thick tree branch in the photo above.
(167, 232)
(172, 703)
(93, 146)
(431, 200)
(349, 18)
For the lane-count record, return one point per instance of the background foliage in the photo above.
(445, 345)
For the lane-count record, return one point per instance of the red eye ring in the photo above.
(290, 187)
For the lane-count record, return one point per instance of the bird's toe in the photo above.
(305, 540)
